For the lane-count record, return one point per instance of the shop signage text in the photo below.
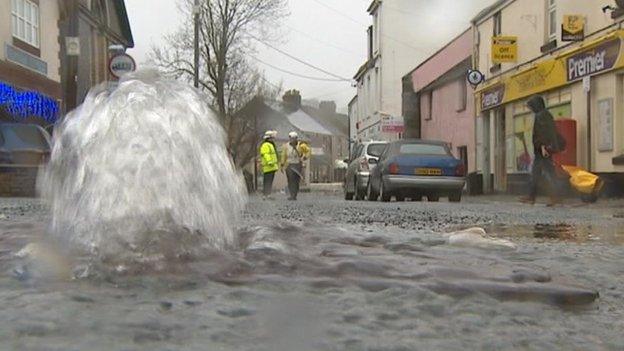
(597, 57)
(492, 97)
(392, 124)
(504, 49)
(121, 64)
(573, 28)
(592, 61)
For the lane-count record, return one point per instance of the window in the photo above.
(370, 42)
(376, 149)
(552, 20)
(423, 149)
(497, 24)
(462, 99)
(428, 105)
(376, 34)
(25, 21)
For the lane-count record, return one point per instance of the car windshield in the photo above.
(423, 149)
(376, 149)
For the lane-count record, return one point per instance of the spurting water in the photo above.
(141, 172)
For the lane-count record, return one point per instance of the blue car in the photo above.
(413, 168)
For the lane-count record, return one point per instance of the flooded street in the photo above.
(323, 274)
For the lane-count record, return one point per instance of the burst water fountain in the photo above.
(141, 172)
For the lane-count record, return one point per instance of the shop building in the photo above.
(582, 82)
(30, 88)
(444, 110)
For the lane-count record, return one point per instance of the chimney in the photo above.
(328, 107)
(292, 100)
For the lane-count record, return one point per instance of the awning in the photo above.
(590, 58)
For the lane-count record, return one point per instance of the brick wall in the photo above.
(18, 180)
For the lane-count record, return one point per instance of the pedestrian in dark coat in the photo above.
(545, 144)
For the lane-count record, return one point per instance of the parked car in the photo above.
(363, 159)
(413, 168)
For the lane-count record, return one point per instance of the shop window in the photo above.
(561, 111)
(25, 21)
(523, 142)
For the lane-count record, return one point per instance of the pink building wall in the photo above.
(447, 120)
(443, 61)
(447, 123)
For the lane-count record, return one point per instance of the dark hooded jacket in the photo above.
(544, 130)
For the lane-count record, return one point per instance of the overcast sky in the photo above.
(330, 34)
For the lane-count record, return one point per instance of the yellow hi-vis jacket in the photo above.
(268, 157)
(303, 150)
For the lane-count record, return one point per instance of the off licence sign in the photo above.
(504, 49)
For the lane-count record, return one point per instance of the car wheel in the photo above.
(370, 193)
(455, 197)
(359, 194)
(417, 198)
(400, 198)
(433, 198)
(589, 198)
(383, 194)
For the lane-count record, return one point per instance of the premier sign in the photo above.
(592, 61)
(492, 97)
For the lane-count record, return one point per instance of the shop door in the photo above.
(500, 165)
(462, 152)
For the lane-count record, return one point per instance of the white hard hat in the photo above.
(293, 135)
(270, 134)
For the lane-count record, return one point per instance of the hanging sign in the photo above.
(121, 64)
(573, 28)
(504, 49)
(475, 77)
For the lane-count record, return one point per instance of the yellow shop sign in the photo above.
(573, 28)
(504, 49)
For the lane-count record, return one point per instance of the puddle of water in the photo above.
(561, 232)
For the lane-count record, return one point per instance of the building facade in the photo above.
(30, 81)
(582, 82)
(443, 99)
(392, 53)
(97, 24)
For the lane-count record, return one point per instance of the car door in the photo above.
(352, 168)
(377, 173)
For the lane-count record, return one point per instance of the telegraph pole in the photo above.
(196, 10)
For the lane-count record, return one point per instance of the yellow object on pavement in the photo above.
(583, 181)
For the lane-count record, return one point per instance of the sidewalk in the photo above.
(326, 188)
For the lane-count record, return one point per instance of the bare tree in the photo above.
(225, 73)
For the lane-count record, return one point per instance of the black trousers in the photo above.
(543, 172)
(267, 184)
(293, 174)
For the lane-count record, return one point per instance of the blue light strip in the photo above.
(22, 104)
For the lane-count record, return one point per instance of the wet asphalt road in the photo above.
(325, 274)
(500, 213)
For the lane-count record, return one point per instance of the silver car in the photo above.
(363, 159)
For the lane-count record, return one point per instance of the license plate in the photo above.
(428, 171)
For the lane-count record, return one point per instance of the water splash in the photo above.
(142, 172)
